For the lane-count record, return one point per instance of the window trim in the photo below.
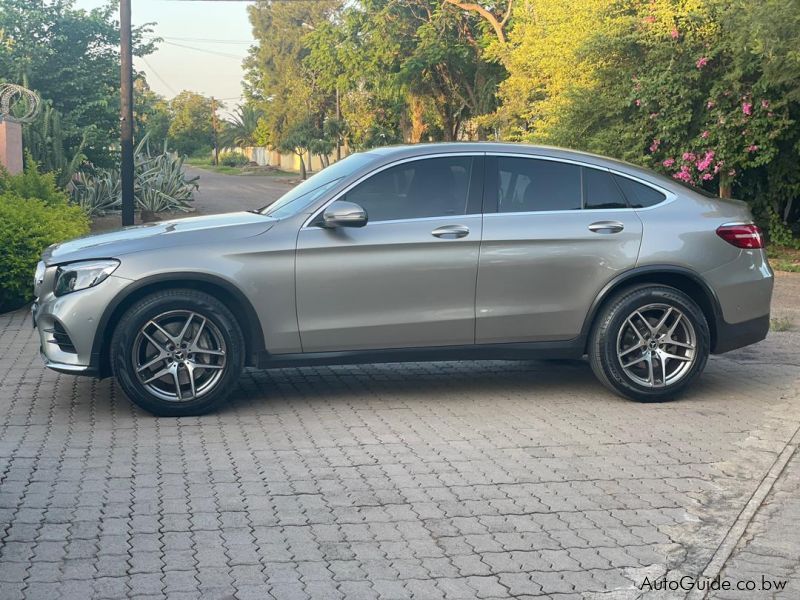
(491, 207)
(480, 164)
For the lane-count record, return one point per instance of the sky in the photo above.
(204, 44)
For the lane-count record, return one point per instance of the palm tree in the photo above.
(240, 128)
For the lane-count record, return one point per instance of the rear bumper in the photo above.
(737, 335)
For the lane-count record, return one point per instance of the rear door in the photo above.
(554, 234)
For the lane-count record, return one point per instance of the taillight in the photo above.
(742, 236)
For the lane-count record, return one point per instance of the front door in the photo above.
(559, 232)
(407, 278)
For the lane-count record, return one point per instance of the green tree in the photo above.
(71, 58)
(190, 131)
(151, 113)
(299, 139)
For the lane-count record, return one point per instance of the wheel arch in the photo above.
(218, 287)
(681, 278)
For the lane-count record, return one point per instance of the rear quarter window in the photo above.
(638, 194)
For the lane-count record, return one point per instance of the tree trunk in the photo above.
(302, 166)
(417, 113)
(725, 185)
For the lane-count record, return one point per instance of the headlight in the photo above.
(82, 275)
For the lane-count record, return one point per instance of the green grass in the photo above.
(203, 163)
(780, 324)
(784, 258)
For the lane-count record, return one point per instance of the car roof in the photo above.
(387, 154)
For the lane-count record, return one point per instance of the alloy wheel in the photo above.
(656, 345)
(179, 355)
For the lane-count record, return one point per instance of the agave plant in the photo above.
(98, 192)
(160, 184)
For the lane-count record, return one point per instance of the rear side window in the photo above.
(532, 185)
(638, 194)
(600, 191)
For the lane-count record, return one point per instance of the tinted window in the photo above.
(432, 187)
(529, 185)
(600, 191)
(638, 194)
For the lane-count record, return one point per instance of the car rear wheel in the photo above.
(177, 352)
(649, 343)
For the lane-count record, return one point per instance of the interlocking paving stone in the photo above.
(445, 480)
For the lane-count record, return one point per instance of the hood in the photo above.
(152, 236)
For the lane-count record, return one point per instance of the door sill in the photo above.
(568, 349)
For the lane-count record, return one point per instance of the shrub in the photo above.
(32, 184)
(779, 233)
(233, 159)
(27, 227)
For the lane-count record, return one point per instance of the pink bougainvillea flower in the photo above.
(637, 102)
(765, 104)
(668, 162)
(704, 135)
(747, 108)
(707, 176)
(654, 146)
(674, 34)
(701, 62)
(683, 176)
(690, 156)
(710, 104)
(706, 161)
(752, 148)
(653, 116)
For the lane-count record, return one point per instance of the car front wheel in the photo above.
(649, 343)
(177, 352)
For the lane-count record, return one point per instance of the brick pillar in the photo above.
(11, 146)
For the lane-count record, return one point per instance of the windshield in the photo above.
(300, 197)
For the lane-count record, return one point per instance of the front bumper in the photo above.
(68, 325)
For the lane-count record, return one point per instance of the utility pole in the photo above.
(126, 111)
(214, 129)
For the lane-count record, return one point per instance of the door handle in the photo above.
(606, 227)
(451, 231)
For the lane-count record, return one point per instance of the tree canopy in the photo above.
(71, 58)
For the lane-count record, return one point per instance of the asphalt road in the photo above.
(221, 193)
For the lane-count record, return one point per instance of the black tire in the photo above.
(127, 343)
(612, 326)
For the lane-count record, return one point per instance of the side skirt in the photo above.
(569, 349)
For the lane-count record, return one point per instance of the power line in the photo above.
(159, 77)
(206, 50)
(206, 40)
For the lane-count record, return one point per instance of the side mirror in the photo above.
(344, 214)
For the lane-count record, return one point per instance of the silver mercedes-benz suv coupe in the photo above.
(426, 252)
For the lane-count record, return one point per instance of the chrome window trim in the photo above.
(339, 195)
(669, 196)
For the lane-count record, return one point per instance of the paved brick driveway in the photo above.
(454, 480)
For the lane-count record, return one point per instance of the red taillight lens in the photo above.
(742, 236)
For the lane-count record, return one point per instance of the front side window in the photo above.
(533, 185)
(431, 187)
